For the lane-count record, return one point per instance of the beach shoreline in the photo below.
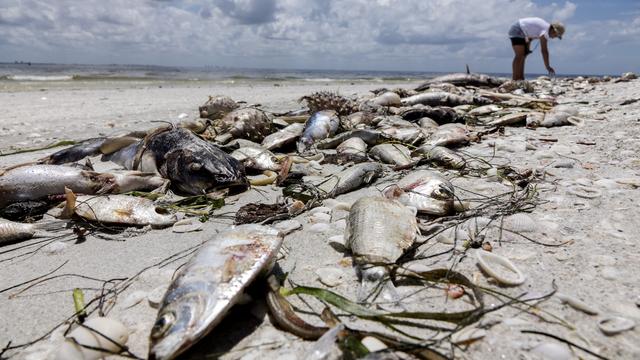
(597, 264)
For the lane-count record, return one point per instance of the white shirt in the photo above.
(534, 27)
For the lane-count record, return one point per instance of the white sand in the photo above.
(599, 264)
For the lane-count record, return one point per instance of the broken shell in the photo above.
(614, 325)
(187, 225)
(105, 332)
(373, 344)
(489, 262)
(577, 304)
(586, 192)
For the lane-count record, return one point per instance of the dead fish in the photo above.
(441, 114)
(440, 155)
(444, 99)
(209, 285)
(510, 119)
(283, 137)
(394, 154)
(217, 107)
(246, 123)
(352, 146)
(388, 98)
(485, 110)
(428, 123)
(449, 135)
(378, 232)
(118, 209)
(369, 136)
(534, 119)
(193, 165)
(357, 120)
(406, 134)
(427, 191)
(34, 182)
(462, 79)
(11, 232)
(320, 125)
(256, 158)
(561, 116)
(351, 178)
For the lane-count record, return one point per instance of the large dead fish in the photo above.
(427, 191)
(283, 137)
(256, 158)
(246, 123)
(34, 182)
(440, 155)
(89, 147)
(193, 165)
(378, 232)
(394, 154)
(217, 107)
(118, 209)
(209, 285)
(320, 125)
(449, 135)
(444, 99)
(462, 79)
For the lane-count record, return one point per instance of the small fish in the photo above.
(320, 125)
(14, 231)
(510, 120)
(369, 136)
(89, 147)
(449, 135)
(427, 191)
(209, 285)
(485, 110)
(462, 79)
(256, 158)
(394, 154)
(443, 99)
(118, 209)
(281, 138)
(440, 155)
(388, 98)
(352, 146)
(351, 178)
(378, 232)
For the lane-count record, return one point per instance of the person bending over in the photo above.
(525, 30)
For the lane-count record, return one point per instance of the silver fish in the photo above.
(351, 178)
(256, 158)
(443, 99)
(510, 119)
(209, 285)
(378, 232)
(388, 98)
(394, 154)
(440, 155)
(352, 146)
(427, 191)
(462, 79)
(449, 135)
(369, 136)
(283, 137)
(33, 182)
(118, 209)
(485, 110)
(320, 125)
(14, 231)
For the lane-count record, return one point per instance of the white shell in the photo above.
(111, 328)
(187, 225)
(373, 344)
(494, 264)
(330, 276)
(577, 304)
(614, 325)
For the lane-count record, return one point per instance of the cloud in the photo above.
(360, 34)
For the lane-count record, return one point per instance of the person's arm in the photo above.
(545, 55)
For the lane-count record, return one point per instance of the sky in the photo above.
(602, 37)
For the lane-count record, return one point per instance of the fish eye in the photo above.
(162, 325)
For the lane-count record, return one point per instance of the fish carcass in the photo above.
(193, 165)
(209, 285)
(320, 125)
(14, 231)
(378, 232)
(427, 191)
(351, 178)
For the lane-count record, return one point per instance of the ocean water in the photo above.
(22, 72)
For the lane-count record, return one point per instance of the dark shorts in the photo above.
(518, 41)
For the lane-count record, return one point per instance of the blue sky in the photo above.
(603, 37)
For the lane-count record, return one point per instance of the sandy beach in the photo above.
(586, 247)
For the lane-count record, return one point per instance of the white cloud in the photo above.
(365, 34)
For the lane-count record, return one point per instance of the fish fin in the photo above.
(70, 204)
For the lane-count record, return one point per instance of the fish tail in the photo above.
(70, 204)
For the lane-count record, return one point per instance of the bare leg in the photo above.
(518, 62)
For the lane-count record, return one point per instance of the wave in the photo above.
(39, 77)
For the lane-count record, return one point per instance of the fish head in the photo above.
(180, 322)
(195, 173)
(304, 143)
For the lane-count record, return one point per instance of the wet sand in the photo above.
(597, 263)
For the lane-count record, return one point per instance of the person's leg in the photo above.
(518, 61)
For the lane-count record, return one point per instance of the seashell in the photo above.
(112, 330)
(614, 325)
(154, 297)
(519, 223)
(288, 226)
(187, 225)
(373, 344)
(635, 182)
(586, 192)
(330, 276)
(577, 304)
(452, 235)
(55, 247)
(492, 263)
(553, 351)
